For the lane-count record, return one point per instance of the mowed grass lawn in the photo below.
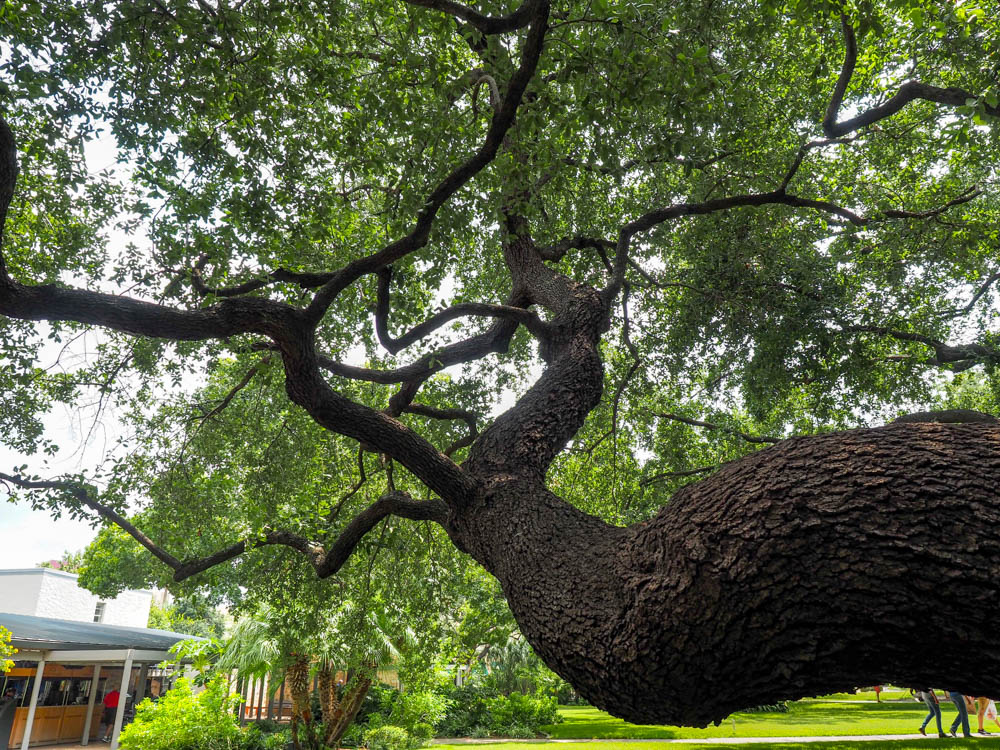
(832, 715)
(807, 718)
(921, 744)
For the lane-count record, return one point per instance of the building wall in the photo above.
(19, 591)
(43, 592)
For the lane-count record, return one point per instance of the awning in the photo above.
(50, 634)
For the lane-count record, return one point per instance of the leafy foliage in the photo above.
(192, 615)
(181, 720)
(6, 650)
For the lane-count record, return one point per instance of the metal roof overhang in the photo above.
(69, 641)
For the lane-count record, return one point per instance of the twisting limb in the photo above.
(776, 197)
(908, 92)
(182, 569)
(622, 385)
(390, 504)
(302, 280)
(325, 562)
(82, 494)
(494, 340)
(969, 194)
(434, 413)
(484, 24)
(525, 317)
(362, 478)
(957, 358)
(502, 120)
(559, 249)
(709, 426)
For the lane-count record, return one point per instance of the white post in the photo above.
(122, 694)
(31, 707)
(85, 740)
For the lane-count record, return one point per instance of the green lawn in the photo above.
(921, 744)
(809, 718)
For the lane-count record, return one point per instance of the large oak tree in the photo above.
(755, 219)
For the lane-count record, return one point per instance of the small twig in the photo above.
(709, 426)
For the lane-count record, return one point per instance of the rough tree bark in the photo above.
(822, 563)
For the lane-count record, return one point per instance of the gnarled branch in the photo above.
(525, 317)
(484, 24)
(907, 92)
(959, 358)
(390, 504)
(434, 413)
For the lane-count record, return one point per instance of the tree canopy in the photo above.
(522, 272)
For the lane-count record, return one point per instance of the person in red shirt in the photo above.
(108, 717)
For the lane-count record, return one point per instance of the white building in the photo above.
(44, 592)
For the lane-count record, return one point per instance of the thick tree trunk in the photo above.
(822, 563)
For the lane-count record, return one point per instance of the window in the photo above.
(99, 612)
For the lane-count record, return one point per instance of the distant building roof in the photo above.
(49, 634)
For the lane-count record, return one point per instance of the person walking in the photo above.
(108, 717)
(981, 704)
(933, 710)
(963, 714)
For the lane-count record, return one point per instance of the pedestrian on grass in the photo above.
(963, 714)
(982, 703)
(933, 710)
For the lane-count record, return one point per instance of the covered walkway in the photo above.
(53, 688)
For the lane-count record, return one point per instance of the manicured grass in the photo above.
(893, 694)
(922, 744)
(810, 718)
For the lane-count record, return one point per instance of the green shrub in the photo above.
(410, 709)
(387, 738)
(781, 707)
(521, 711)
(421, 733)
(181, 720)
(472, 708)
(467, 712)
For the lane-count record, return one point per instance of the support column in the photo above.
(122, 697)
(31, 707)
(85, 740)
(140, 685)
